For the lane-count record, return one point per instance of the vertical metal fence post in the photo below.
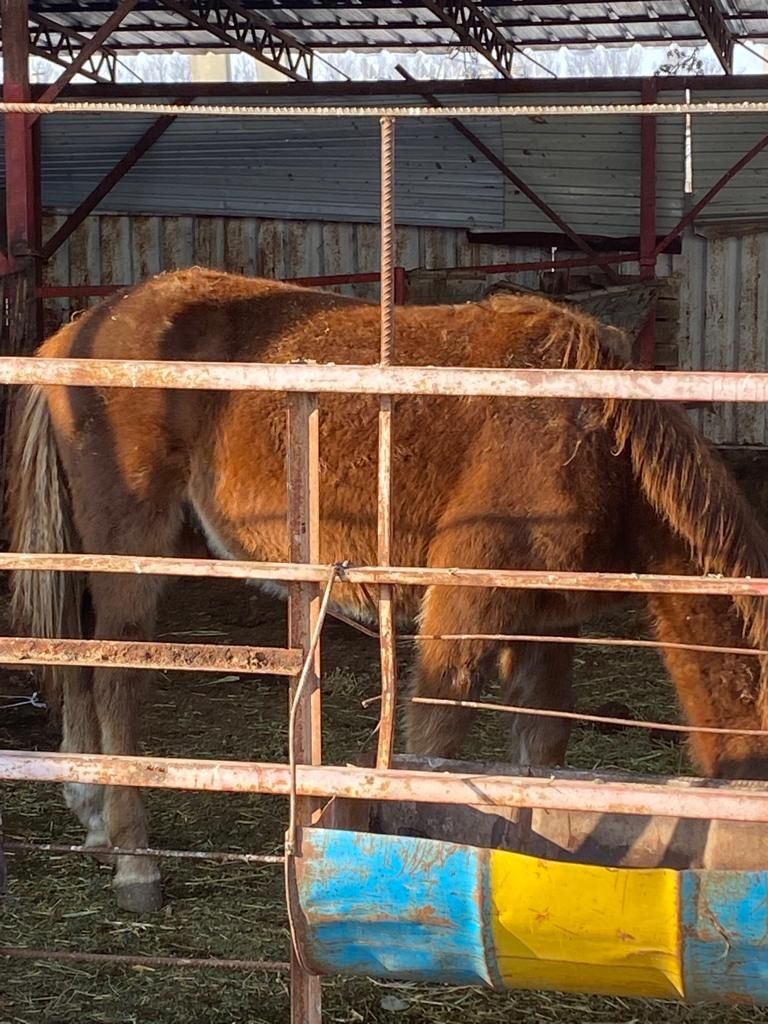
(386, 616)
(648, 256)
(303, 609)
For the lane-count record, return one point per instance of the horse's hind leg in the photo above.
(81, 735)
(538, 675)
(125, 610)
(452, 670)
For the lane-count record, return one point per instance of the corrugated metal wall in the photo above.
(328, 169)
(717, 143)
(303, 168)
(588, 169)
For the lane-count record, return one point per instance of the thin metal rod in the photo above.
(296, 702)
(646, 342)
(642, 385)
(603, 641)
(577, 716)
(717, 800)
(70, 956)
(134, 654)
(387, 259)
(387, 652)
(403, 576)
(410, 110)
(588, 641)
(218, 856)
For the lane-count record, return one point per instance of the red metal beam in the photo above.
(107, 183)
(21, 211)
(95, 42)
(401, 276)
(575, 88)
(647, 337)
(719, 185)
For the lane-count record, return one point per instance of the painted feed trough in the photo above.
(525, 899)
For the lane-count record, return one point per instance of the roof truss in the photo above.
(250, 32)
(474, 28)
(711, 16)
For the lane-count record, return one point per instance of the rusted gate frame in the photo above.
(402, 576)
(373, 379)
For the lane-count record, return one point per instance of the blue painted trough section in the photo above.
(403, 909)
(397, 907)
(725, 936)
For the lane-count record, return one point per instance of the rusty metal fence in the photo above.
(305, 778)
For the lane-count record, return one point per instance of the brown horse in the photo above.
(488, 483)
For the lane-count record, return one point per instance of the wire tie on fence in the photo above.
(34, 700)
(341, 570)
(290, 842)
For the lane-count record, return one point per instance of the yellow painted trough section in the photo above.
(578, 928)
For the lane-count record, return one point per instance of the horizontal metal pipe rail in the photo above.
(455, 381)
(273, 661)
(216, 856)
(719, 801)
(404, 576)
(130, 960)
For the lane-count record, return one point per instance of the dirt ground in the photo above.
(64, 902)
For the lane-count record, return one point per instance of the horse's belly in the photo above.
(347, 599)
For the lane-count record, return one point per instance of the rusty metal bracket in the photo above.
(88, 50)
(107, 183)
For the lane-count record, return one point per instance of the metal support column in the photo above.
(22, 177)
(648, 256)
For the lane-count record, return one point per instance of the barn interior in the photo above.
(658, 224)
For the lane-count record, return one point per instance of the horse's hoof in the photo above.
(139, 897)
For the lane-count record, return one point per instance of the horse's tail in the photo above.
(680, 476)
(43, 604)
